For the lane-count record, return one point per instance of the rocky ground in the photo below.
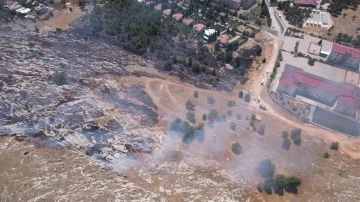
(81, 119)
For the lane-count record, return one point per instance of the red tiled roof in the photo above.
(177, 16)
(348, 95)
(341, 49)
(306, 2)
(223, 39)
(199, 27)
(187, 21)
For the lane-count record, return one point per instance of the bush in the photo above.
(58, 30)
(334, 146)
(296, 136)
(241, 94)
(213, 115)
(311, 61)
(190, 106)
(266, 169)
(168, 65)
(293, 181)
(326, 155)
(233, 126)
(211, 100)
(261, 130)
(229, 113)
(231, 103)
(264, 60)
(247, 98)
(59, 78)
(191, 117)
(236, 148)
(196, 94)
(239, 117)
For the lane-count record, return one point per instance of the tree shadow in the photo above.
(279, 191)
(292, 190)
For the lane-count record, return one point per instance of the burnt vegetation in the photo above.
(188, 134)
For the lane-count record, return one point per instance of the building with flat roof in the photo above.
(246, 4)
(343, 97)
(306, 3)
(345, 56)
(314, 48)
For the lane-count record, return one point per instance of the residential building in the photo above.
(345, 56)
(187, 21)
(23, 11)
(41, 9)
(167, 12)
(158, 7)
(199, 27)
(343, 97)
(306, 3)
(208, 33)
(223, 39)
(178, 16)
(246, 4)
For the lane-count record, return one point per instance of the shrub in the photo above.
(286, 144)
(247, 98)
(236, 148)
(334, 146)
(326, 155)
(311, 61)
(168, 65)
(213, 115)
(239, 117)
(58, 30)
(190, 106)
(264, 60)
(233, 126)
(241, 94)
(204, 117)
(59, 78)
(196, 94)
(261, 130)
(191, 117)
(296, 136)
(266, 169)
(229, 113)
(231, 103)
(293, 181)
(260, 187)
(211, 100)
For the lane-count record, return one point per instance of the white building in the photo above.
(208, 33)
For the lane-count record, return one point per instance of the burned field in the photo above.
(78, 95)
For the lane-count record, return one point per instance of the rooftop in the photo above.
(157, 7)
(209, 32)
(306, 2)
(348, 95)
(341, 49)
(167, 12)
(187, 21)
(177, 16)
(314, 48)
(223, 39)
(199, 27)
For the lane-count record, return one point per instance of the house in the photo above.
(178, 16)
(208, 33)
(167, 12)
(199, 27)
(187, 21)
(344, 56)
(343, 96)
(23, 11)
(306, 3)
(41, 9)
(314, 48)
(14, 6)
(157, 7)
(223, 39)
(246, 4)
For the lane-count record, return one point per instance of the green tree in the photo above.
(213, 115)
(190, 106)
(233, 126)
(326, 155)
(204, 117)
(335, 146)
(236, 148)
(59, 78)
(247, 98)
(228, 57)
(261, 130)
(281, 181)
(196, 94)
(296, 136)
(211, 100)
(241, 94)
(168, 65)
(268, 185)
(191, 117)
(293, 181)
